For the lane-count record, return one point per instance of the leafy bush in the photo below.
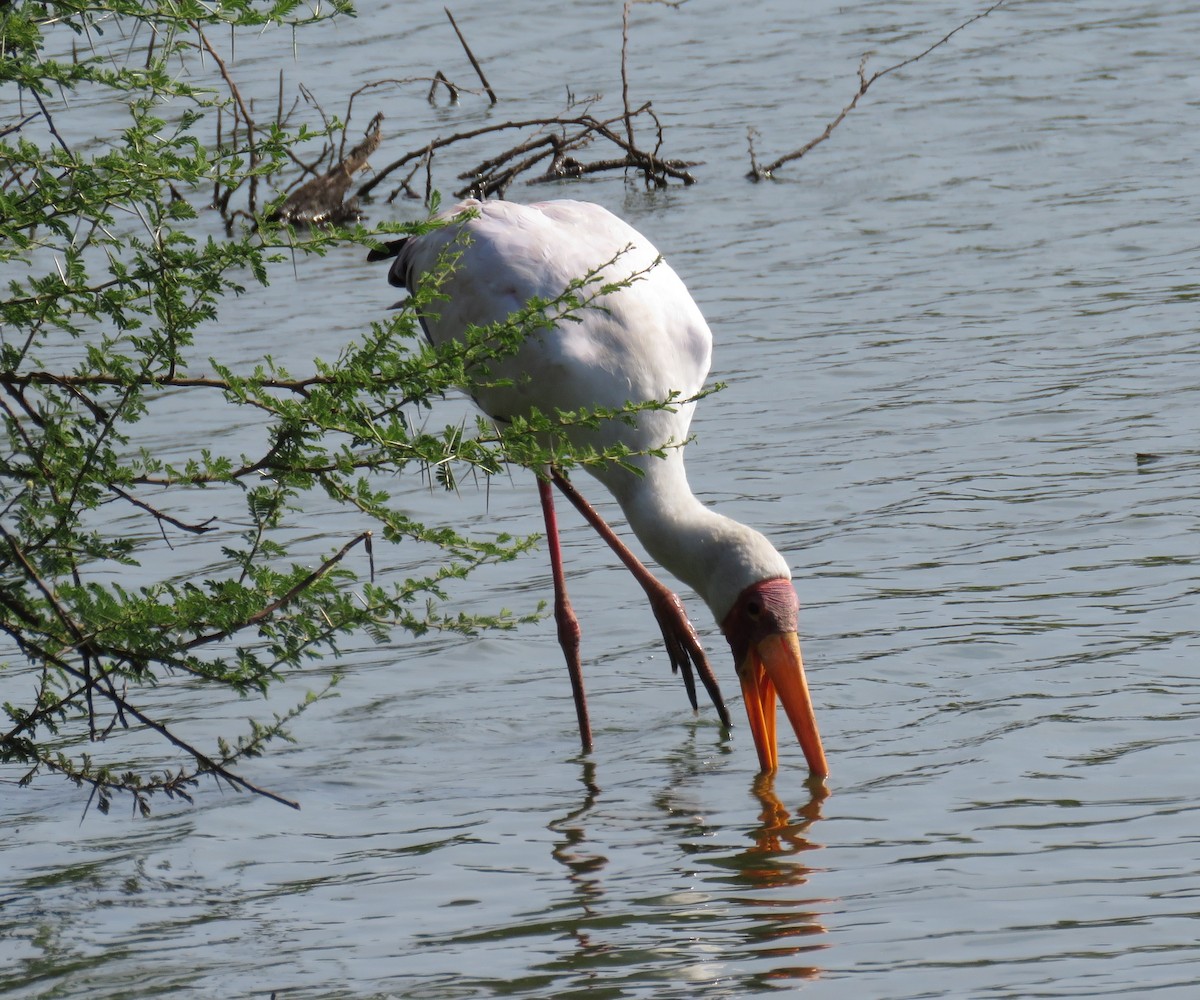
(111, 270)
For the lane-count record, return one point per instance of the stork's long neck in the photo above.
(715, 555)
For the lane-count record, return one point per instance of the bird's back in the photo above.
(638, 343)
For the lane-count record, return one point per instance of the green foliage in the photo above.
(110, 273)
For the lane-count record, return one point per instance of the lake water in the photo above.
(948, 334)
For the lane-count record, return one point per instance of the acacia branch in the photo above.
(50, 122)
(16, 127)
(260, 616)
(20, 380)
(217, 769)
(195, 529)
(51, 598)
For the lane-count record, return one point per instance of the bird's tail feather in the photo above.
(389, 250)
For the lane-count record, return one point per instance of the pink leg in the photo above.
(683, 645)
(568, 625)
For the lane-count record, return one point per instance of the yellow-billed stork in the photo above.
(638, 337)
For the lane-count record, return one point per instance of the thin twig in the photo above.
(471, 55)
(18, 126)
(625, 70)
(759, 173)
(629, 115)
(195, 529)
(50, 121)
(251, 128)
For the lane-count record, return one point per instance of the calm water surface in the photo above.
(948, 333)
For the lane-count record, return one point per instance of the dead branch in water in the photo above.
(471, 55)
(629, 115)
(440, 77)
(552, 148)
(553, 141)
(574, 143)
(759, 172)
(323, 199)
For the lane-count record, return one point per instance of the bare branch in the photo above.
(574, 133)
(759, 173)
(440, 77)
(471, 55)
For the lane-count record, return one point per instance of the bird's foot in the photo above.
(684, 649)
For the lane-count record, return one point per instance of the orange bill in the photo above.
(774, 667)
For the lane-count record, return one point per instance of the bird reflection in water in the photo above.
(583, 868)
(744, 911)
(784, 925)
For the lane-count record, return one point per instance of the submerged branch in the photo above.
(759, 172)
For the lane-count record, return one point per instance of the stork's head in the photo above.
(761, 629)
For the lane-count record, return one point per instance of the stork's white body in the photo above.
(638, 343)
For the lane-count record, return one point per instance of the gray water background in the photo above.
(948, 335)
